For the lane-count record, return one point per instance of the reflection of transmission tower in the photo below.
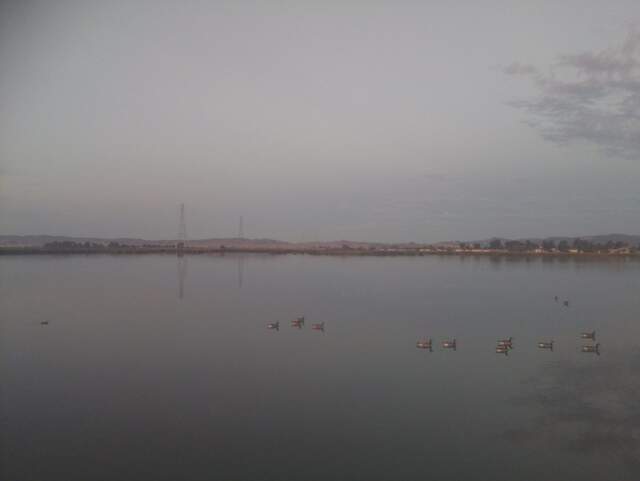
(182, 231)
(241, 229)
(182, 274)
(240, 270)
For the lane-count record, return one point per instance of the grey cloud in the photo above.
(620, 61)
(590, 96)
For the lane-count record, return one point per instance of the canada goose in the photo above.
(318, 326)
(588, 335)
(595, 349)
(424, 344)
(449, 344)
(502, 350)
(274, 325)
(546, 345)
(506, 342)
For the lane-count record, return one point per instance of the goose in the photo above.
(588, 335)
(595, 349)
(318, 326)
(424, 344)
(274, 325)
(449, 344)
(502, 350)
(546, 345)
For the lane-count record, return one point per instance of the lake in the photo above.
(158, 368)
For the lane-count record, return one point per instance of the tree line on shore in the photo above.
(549, 245)
(576, 245)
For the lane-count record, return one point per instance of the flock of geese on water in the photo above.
(298, 322)
(503, 345)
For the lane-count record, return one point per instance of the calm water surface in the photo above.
(159, 368)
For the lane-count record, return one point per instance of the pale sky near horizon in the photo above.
(389, 121)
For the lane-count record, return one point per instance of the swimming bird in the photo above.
(298, 322)
(274, 325)
(318, 326)
(44, 323)
(449, 344)
(424, 344)
(566, 303)
(546, 345)
(588, 335)
(506, 342)
(502, 350)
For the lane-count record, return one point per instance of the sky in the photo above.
(363, 120)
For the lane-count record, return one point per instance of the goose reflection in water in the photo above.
(595, 349)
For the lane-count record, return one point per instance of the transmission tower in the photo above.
(241, 229)
(182, 229)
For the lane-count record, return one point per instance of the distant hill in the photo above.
(603, 239)
(41, 240)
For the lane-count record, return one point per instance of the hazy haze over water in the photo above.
(384, 121)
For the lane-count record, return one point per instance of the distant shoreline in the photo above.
(130, 250)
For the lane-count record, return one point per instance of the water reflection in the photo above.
(298, 322)
(376, 414)
(595, 349)
(182, 274)
(240, 271)
(587, 408)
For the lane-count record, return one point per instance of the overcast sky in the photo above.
(322, 120)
